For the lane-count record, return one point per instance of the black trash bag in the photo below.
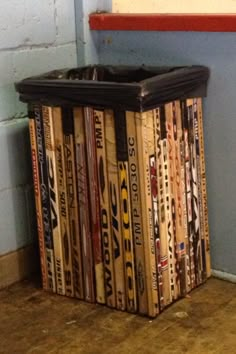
(120, 87)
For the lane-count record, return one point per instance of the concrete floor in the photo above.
(33, 321)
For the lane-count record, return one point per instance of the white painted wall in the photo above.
(35, 36)
(174, 6)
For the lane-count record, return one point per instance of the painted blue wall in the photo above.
(218, 52)
(87, 40)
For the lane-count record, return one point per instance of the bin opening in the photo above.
(123, 74)
(136, 88)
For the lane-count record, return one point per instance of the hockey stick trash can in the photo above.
(119, 179)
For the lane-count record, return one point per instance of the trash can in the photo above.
(119, 180)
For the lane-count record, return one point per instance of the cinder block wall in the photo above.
(35, 36)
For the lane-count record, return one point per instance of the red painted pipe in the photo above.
(163, 22)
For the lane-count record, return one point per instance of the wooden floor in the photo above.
(33, 321)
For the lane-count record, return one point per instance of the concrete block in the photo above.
(7, 96)
(6, 67)
(37, 61)
(7, 102)
(13, 220)
(15, 160)
(24, 23)
(20, 107)
(27, 63)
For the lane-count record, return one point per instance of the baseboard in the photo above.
(18, 265)
(224, 275)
